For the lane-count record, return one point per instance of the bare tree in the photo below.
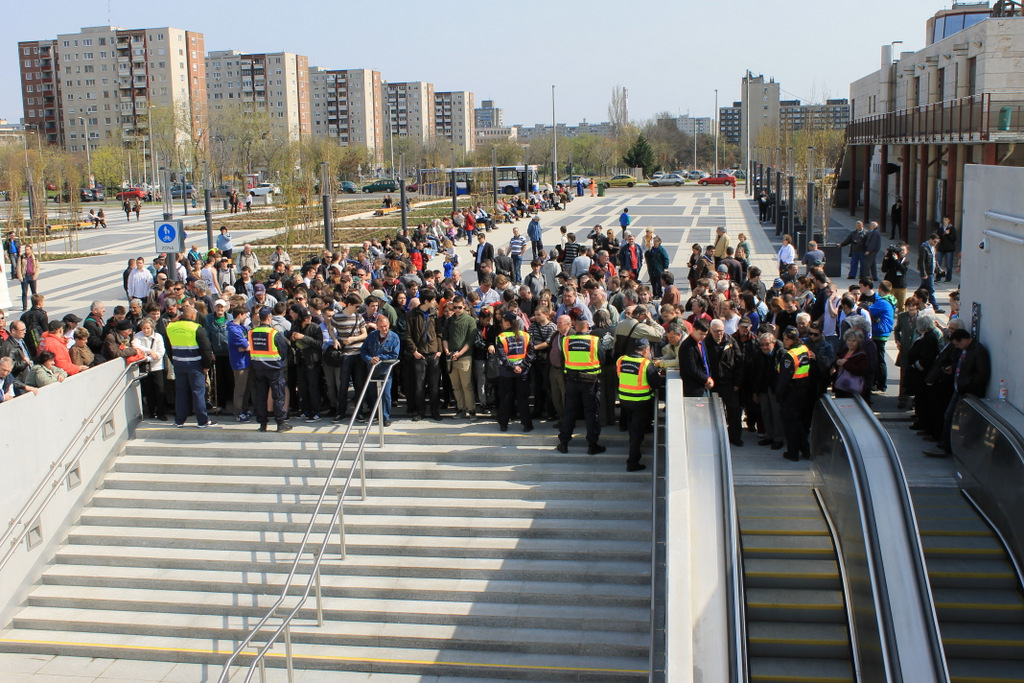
(618, 109)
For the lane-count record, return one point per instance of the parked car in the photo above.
(696, 175)
(571, 181)
(132, 193)
(718, 179)
(84, 195)
(381, 185)
(412, 186)
(657, 174)
(348, 187)
(668, 179)
(190, 191)
(621, 180)
(264, 189)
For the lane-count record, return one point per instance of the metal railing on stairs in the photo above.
(380, 375)
(19, 526)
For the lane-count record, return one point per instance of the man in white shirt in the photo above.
(140, 280)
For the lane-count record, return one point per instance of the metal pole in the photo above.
(341, 526)
(402, 197)
(28, 177)
(208, 213)
(325, 185)
(790, 221)
(494, 172)
(811, 173)
(319, 593)
(716, 130)
(184, 192)
(554, 142)
(152, 149)
(88, 154)
(455, 189)
(288, 652)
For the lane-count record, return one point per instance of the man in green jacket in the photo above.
(458, 338)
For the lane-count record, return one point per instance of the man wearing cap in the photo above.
(191, 356)
(260, 298)
(583, 354)
(70, 325)
(118, 343)
(140, 280)
(793, 390)
(638, 385)
(268, 355)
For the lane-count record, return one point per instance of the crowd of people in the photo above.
(586, 333)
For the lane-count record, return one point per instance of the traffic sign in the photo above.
(170, 236)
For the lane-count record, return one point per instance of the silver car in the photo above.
(668, 179)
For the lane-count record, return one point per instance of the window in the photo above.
(102, 41)
(87, 42)
(67, 43)
(28, 88)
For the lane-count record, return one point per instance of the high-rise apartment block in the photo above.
(759, 108)
(453, 117)
(410, 109)
(276, 83)
(794, 116)
(730, 121)
(111, 78)
(348, 106)
(38, 62)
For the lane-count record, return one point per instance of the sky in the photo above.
(670, 55)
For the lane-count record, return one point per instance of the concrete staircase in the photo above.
(476, 554)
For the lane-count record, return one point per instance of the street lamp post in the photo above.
(28, 177)
(810, 198)
(554, 142)
(716, 130)
(88, 154)
(455, 187)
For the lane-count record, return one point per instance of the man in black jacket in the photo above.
(894, 268)
(971, 373)
(926, 267)
(727, 373)
(694, 362)
(94, 323)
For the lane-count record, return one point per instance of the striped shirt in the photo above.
(516, 245)
(346, 327)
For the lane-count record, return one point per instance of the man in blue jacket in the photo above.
(883, 315)
(238, 356)
(381, 345)
(533, 231)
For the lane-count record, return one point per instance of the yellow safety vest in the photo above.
(184, 345)
(580, 352)
(801, 361)
(633, 385)
(515, 348)
(262, 348)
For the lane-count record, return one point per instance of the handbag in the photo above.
(848, 382)
(333, 357)
(493, 366)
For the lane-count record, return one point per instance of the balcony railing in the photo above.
(996, 117)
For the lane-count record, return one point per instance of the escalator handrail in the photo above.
(909, 519)
(1007, 430)
(736, 602)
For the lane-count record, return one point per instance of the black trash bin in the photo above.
(833, 259)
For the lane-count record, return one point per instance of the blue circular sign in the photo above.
(167, 233)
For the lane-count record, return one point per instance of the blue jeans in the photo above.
(517, 267)
(946, 263)
(189, 386)
(928, 283)
(856, 264)
(371, 397)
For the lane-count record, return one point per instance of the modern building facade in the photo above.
(348, 106)
(794, 116)
(488, 116)
(730, 122)
(453, 118)
(276, 83)
(922, 116)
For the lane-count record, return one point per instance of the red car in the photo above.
(133, 193)
(718, 179)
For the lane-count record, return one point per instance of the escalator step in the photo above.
(785, 670)
(792, 605)
(961, 547)
(800, 573)
(787, 547)
(810, 510)
(984, 641)
(978, 605)
(795, 526)
(795, 639)
(984, 671)
(971, 573)
(965, 526)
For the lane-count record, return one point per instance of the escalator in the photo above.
(974, 586)
(797, 628)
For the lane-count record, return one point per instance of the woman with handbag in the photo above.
(854, 366)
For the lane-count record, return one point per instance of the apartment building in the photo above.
(494, 134)
(409, 109)
(453, 117)
(794, 116)
(274, 82)
(348, 106)
(730, 123)
(110, 78)
(38, 62)
(759, 108)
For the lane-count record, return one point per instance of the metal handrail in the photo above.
(734, 564)
(654, 537)
(314, 577)
(82, 438)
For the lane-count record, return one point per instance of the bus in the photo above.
(478, 179)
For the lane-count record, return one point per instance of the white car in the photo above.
(657, 174)
(668, 179)
(264, 189)
(571, 182)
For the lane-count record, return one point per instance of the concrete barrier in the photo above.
(37, 431)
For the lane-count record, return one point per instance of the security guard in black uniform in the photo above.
(583, 355)
(638, 390)
(793, 390)
(268, 350)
